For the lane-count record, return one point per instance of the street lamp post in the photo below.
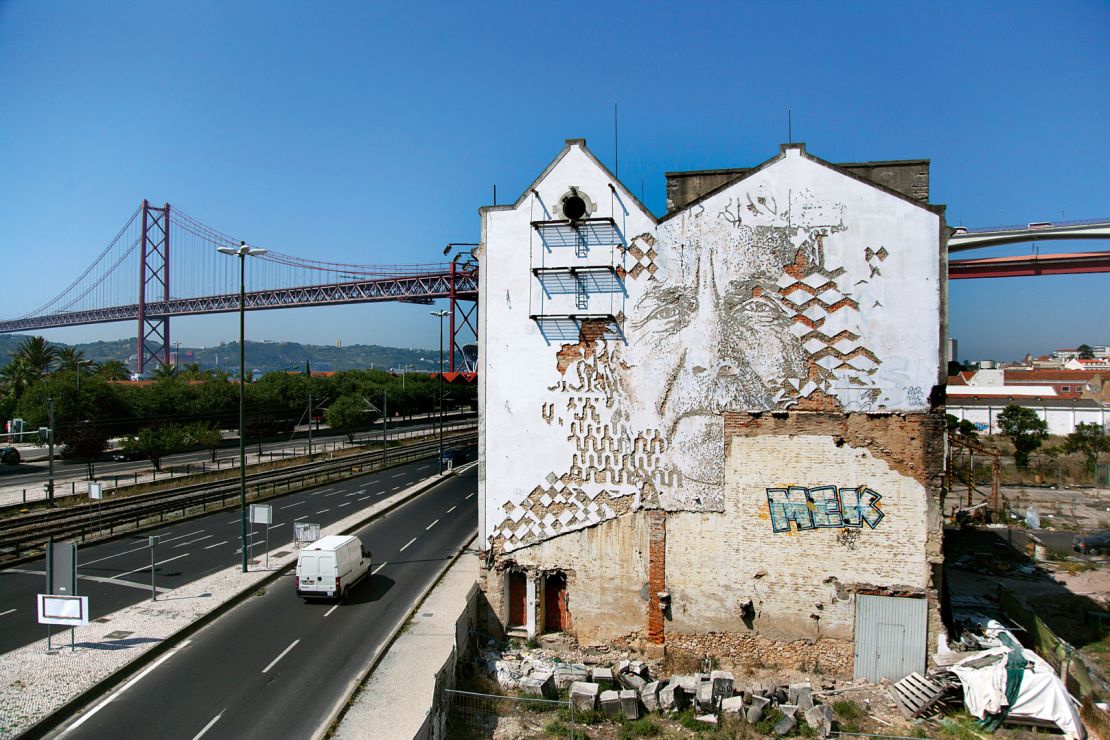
(242, 253)
(440, 315)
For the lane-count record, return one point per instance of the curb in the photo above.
(64, 712)
(356, 684)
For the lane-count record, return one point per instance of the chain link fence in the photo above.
(471, 716)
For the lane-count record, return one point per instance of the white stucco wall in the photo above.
(796, 285)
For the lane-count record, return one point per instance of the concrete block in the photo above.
(649, 696)
(638, 668)
(709, 719)
(630, 704)
(536, 686)
(703, 700)
(611, 703)
(631, 681)
(789, 710)
(601, 674)
(800, 694)
(820, 718)
(689, 684)
(566, 674)
(733, 705)
(584, 695)
(722, 684)
(785, 725)
(672, 698)
(755, 711)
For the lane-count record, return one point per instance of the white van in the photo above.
(330, 566)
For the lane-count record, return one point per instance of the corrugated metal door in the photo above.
(890, 636)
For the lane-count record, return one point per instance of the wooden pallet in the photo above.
(915, 695)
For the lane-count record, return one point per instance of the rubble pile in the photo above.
(629, 690)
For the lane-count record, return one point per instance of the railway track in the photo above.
(25, 535)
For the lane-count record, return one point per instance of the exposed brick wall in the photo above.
(657, 573)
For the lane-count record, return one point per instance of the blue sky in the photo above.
(372, 132)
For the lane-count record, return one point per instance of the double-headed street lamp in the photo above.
(440, 315)
(242, 253)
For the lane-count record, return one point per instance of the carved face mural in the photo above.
(716, 328)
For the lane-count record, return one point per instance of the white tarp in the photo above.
(1042, 695)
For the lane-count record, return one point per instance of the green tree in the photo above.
(165, 372)
(1085, 352)
(1025, 429)
(113, 370)
(206, 436)
(37, 356)
(1088, 439)
(348, 413)
(73, 360)
(156, 442)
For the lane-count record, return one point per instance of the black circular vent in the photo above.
(574, 207)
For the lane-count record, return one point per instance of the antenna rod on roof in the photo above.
(789, 127)
(495, 193)
(616, 144)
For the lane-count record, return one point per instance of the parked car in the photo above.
(9, 456)
(126, 456)
(330, 566)
(1092, 544)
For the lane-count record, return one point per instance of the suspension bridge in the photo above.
(130, 280)
(157, 243)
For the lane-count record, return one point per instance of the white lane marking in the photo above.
(424, 467)
(407, 544)
(208, 726)
(431, 525)
(9, 611)
(323, 511)
(161, 541)
(123, 688)
(471, 496)
(375, 571)
(398, 475)
(290, 506)
(353, 493)
(394, 488)
(95, 579)
(147, 567)
(283, 652)
(193, 542)
(234, 521)
(329, 611)
(363, 498)
(345, 503)
(216, 545)
(452, 509)
(301, 517)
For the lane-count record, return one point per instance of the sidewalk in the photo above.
(39, 683)
(394, 702)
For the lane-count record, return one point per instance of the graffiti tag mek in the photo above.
(823, 507)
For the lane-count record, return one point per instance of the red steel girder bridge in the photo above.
(157, 243)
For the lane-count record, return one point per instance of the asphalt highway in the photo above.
(276, 665)
(116, 574)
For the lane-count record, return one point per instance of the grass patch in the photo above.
(642, 727)
(850, 716)
(556, 728)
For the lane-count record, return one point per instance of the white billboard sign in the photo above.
(95, 490)
(67, 610)
(306, 531)
(261, 514)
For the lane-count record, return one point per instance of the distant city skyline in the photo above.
(372, 134)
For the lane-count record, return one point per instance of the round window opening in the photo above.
(574, 207)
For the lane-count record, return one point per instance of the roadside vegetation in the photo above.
(185, 407)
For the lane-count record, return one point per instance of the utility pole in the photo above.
(385, 425)
(310, 424)
(50, 481)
